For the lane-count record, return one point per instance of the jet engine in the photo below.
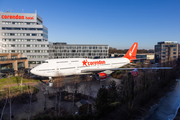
(134, 73)
(101, 76)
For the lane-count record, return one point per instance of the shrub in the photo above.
(46, 117)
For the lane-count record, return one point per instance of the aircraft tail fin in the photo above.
(131, 54)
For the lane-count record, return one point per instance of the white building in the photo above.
(64, 50)
(24, 33)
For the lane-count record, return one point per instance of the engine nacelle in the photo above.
(101, 76)
(134, 73)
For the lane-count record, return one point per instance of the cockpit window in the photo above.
(45, 62)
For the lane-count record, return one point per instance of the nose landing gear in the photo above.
(50, 82)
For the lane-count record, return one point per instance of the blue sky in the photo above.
(118, 23)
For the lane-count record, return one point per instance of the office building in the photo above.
(24, 33)
(166, 51)
(64, 50)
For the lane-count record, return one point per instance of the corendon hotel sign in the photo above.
(16, 17)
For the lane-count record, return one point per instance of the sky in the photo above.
(117, 23)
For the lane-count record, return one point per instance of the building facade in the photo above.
(12, 62)
(24, 33)
(166, 51)
(64, 50)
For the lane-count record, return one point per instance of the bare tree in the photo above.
(59, 79)
(76, 82)
(6, 99)
(9, 95)
(55, 86)
(21, 75)
(30, 93)
(89, 78)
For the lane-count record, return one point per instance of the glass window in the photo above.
(32, 28)
(45, 62)
(174, 56)
(39, 29)
(78, 47)
(33, 34)
(174, 45)
(84, 47)
(12, 34)
(174, 49)
(174, 52)
(17, 28)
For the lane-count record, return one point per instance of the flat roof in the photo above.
(63, 44)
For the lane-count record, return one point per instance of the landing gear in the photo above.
(50, 82)
(97, 76)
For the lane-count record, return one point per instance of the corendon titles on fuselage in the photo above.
(16, 17)
(87, 63)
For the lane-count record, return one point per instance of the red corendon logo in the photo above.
(16, 17)
(86, 63)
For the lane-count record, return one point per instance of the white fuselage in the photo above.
(75, 66)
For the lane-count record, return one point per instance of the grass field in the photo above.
(16, 89)
(14, 80)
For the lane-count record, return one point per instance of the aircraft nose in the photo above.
(33, 71)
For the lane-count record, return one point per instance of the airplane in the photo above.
(79, 66)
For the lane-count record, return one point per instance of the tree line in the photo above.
(114, 50)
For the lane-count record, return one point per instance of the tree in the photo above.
(21, 74)
(112, 94)
(9, 95)
(59, 80)
(30, 93)
(6, 99)
(102, 98)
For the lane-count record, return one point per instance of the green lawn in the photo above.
(15, 89)
(14, 80)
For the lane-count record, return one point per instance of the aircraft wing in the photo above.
(97, 70)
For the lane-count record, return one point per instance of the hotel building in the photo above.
(24, 33)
